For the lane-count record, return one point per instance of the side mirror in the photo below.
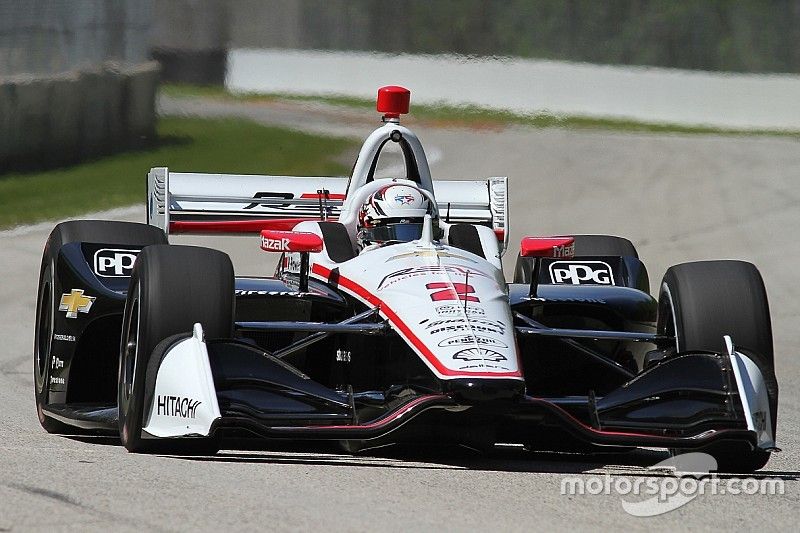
(290, 241)
(558, 247)
(273, 240)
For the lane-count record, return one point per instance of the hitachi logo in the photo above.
(177, 406)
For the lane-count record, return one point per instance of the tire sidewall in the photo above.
(130, 403)
(43, 358)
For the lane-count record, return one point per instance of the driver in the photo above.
(392, 214)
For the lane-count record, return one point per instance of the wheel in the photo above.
(701, 302)
(596, 245)
(171, 289)
(101, 231)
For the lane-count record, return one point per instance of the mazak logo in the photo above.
(114, 263)
(581, 273)
(275, 245)
(564, 251)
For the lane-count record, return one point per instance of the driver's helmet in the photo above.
(392, 213)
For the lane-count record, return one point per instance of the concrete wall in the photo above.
(53, 36)
(48, 120)
(75, 79)
(190, 40)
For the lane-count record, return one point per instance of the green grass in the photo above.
(185, 144)
(475, 116)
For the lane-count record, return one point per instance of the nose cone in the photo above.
(473, 391)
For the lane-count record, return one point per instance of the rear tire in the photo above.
(597, 245)
(98, 231)
(172, 288)
(701, 302)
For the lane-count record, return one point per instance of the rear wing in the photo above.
(188, 202)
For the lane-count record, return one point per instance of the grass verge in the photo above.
(475, 116)
(184, 144)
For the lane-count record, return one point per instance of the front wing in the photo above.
(690, 401)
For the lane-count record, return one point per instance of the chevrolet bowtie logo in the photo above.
(74, 302)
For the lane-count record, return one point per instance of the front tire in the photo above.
(171, 289)
(97, 231)
(701, 302)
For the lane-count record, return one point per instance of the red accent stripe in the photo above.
(650, 438)
(389, 418)
(395, 320)
(577, 422)
(237, 226)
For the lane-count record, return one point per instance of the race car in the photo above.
(389, 321)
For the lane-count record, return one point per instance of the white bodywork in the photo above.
(184, 400)
(449, 305)
(753, 392)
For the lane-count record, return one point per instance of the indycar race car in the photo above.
(389, 321)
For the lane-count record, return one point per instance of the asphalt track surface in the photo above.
(679, 198)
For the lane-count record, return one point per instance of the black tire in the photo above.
(171, 289)
(598, 245)
(99, 231)
(701, 302)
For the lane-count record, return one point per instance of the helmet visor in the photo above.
(393, 232)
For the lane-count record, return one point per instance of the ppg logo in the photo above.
(583, 273)
(114, 263)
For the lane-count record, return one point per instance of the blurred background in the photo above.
(82, 79)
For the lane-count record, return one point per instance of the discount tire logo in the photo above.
(581, 273)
